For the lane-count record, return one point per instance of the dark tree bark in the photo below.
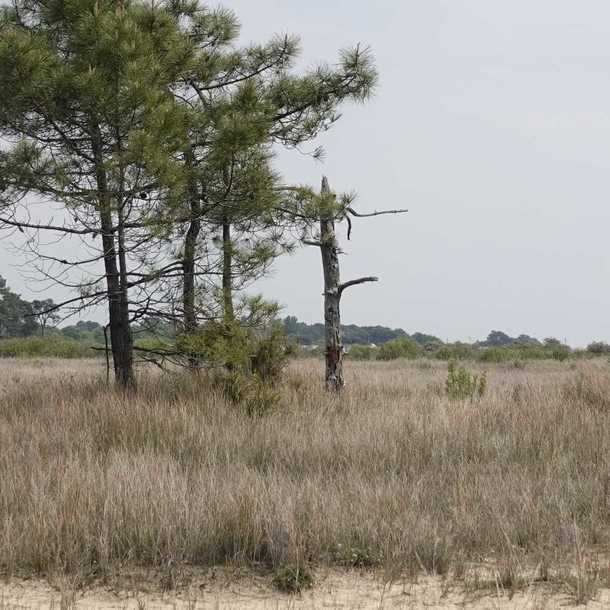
(190, 254)
(189, 308)
(121, 341)
(227, 272)
(118, 309)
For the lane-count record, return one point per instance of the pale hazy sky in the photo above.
(492, 125)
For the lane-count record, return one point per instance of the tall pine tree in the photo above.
(85, 101)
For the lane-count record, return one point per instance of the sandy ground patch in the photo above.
(335, 590)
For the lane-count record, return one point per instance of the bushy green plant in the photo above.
(398, 348)
(154, 345)
(261, 398)
(361, 352)
(254, 343)
(560, 353)
(462, 384)
(218, 344)
(357, 556)
(455, 351)
(51, 346)
(293, 579)
(250, 392)
(270, 350)
(496, 354)
(598, 348)
(530, 352)
(232, 384)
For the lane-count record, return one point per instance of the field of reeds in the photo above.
(394, 476)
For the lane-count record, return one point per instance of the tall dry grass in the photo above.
(392, 474)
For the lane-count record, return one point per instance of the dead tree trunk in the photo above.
(332, 299)
(331, 212)
(333, 290)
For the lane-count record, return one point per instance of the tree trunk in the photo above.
(227, 272)
(188, 270)
(118, 313)
(190, 254)
(121, 342)
(332, 300)
(127, 378)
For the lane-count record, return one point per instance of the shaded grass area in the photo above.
(394, 475)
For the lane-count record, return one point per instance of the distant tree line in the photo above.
(30, 328)
(312, 334)
(383, 343)
(21, 318)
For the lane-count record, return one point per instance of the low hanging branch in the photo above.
(333, 288)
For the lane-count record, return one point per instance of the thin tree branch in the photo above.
(361, 280)
(376, 213)
(21, 225)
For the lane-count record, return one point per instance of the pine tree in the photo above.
(241, 102)
(85, 99)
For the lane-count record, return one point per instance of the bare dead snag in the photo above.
(332, 299)
(333, 288)
(333, 291)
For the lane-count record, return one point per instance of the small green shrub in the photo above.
(261, 398)
(154, 345)
(398, 348)
(232, 384)
(357, 557)
(293, 579)
(361, 352)
(45, 347)
(455, 351)
(219, 344)
(598, 348)
(560, 353)
(462, 384)
(256, 396)
(262, 351)
(496, 354)
(270, 352)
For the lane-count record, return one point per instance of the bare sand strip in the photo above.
(335, 590)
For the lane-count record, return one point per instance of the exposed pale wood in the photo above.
(332, 299)
(333, 288)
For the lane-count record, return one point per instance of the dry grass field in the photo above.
(495, 496)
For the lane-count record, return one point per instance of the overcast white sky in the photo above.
(492, 125)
